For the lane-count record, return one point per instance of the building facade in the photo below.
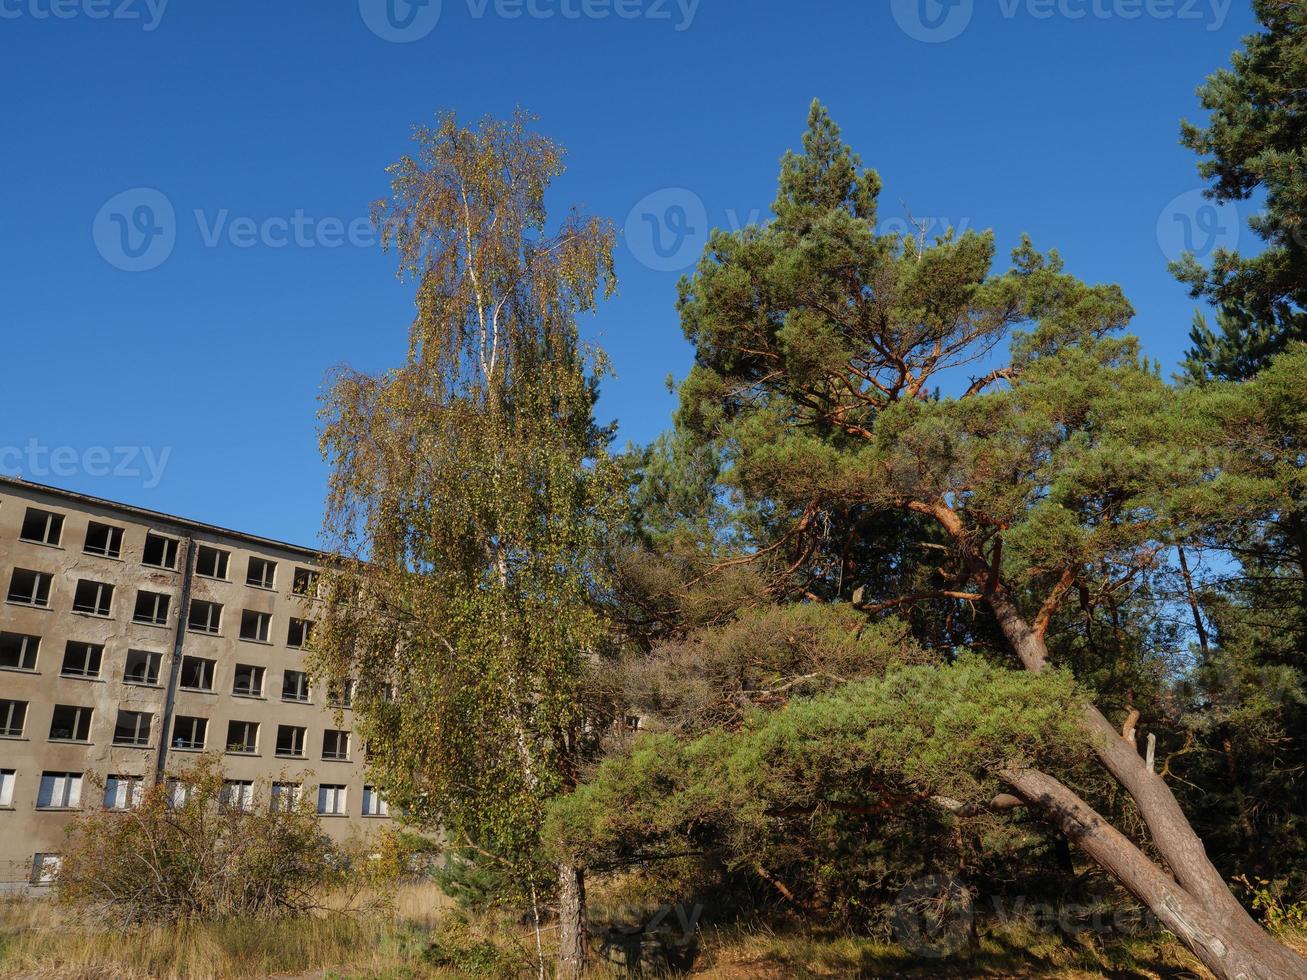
(130, 642)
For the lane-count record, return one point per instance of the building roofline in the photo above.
(155, 515)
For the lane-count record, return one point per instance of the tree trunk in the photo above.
(571, 922)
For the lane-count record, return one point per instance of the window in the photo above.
(205, 617)
(341, 695)
(18, 651)
(197, 674)
(305, 582)
(28, 588)
(70, 723)
(42, 527)
(178, 793)
(59, 791)
(133, 727)
(331, 800)
(189, 733)
(290, 741)
(373, 804)
(335, 745)
(13, 716)
(82, 659)
(123, 792)
(237, 794)
(211, 562)
(262, 574)
(151, 608)
(249, 681)
(243, 737)
(142, 667)
(7, 787)
(159, 551)
(295, 686)
(286, 796)
(255, 625)
(44, 868)
(93, 597)
(104, 540)
(298, 634)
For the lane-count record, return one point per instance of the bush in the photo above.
(182, 855)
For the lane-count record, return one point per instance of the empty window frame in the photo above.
(70, 723)
(197, 674)
(290, 741)
(82, 659)
(42, 527)
(255, 625)
(188, 732)
(123, 792)
(142, 667)
(373, 804)
(29, 588)
(94, 598)
(104, 540)
(331, 800)
(13, 718)
(237, 794)
(18, 651)
(205, 617)
(243, 737)
(45, 868)
(295, 686)
(305, 582)
(341, 695)
(248, 681)
(211, 562)
(261, 573)
(335, 745)
(59, 791)
(151, 608)
(132, 728)
(299, 632)
(159, 551)
(7, 779)
(286, 796)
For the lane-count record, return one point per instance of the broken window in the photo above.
(94, 598)
(133, 728)
(286, 796)
(189, 733)
(373, 804)
(305, 582)
(59, 790)
(295, 686)
(205, 617)
(82, 659)
(335, 745)
(298, 634)
(152, 608)
(255, 625)
(197, 673)
(7, 777)
(341, 695)
(142, 667)
(104, 540)
(18, 651)
(243, 737)
(70, 723)
(237, 794)
(290, 741)
(211, 562)
(249, 681)
(331, 800)
(45, 867)
(13, 715)
(261, 574)
(42, 527)
(123, 792)
(159, 551)
(28, 588)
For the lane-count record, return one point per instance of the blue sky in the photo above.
(172, 357)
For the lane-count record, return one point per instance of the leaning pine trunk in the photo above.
(571, 921)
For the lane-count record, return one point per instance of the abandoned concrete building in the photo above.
(130, 641)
